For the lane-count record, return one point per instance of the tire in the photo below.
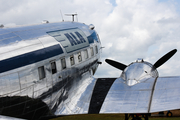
(169, 114)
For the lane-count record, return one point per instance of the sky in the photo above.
(128, 29)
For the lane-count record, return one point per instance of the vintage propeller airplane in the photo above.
(47, 69)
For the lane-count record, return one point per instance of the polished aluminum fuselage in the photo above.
(24, 50)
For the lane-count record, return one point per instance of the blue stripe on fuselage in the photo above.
(29, 58)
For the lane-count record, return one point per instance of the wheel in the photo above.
(169, 114)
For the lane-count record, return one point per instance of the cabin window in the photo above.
(92, 51)
(41, 72)
(72, 60)
(86, 54)
(63, 63)
(79, 57)
(96, 49)
(53, 67)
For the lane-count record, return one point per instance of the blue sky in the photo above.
(113, 2)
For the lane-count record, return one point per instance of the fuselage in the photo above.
(46, 63)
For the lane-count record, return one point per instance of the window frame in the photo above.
(53, 71)
(86, 56)
(41, 72)
(96, 49)
(63, 63)
(79, 56)
(72, 61)
(92, 51)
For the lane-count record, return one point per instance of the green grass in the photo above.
(107, 117)
(164, 118)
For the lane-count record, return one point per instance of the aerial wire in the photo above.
(62, 15)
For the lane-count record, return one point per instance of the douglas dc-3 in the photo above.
(48, 69)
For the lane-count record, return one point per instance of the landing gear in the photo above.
(169, 114)
(136, 116)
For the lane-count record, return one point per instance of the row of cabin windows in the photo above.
(41, 69)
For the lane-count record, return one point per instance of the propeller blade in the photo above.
(165, 58)
(116, 64)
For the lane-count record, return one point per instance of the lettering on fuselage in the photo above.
(71, 39)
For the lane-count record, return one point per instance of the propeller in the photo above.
(161, 61)
(116, 64)
(165, 58)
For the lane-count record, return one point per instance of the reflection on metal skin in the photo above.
(78, 99)
(166, 94)
(67, 91)
(140, 90)
(132, 92)
(152, 95)
(123, 98)
(8, 118)
(68, 95)
(138, 72)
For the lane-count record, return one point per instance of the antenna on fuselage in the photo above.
(77, 17)
(72, 16)
(62, 15)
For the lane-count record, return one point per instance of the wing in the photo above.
(122, 98)
(152, 95)
(166, 94)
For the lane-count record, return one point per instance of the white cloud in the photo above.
(129, 30)
(142, 29)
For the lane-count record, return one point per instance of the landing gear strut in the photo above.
(136, 116)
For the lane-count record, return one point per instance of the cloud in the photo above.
(141, 29)
(128, 29)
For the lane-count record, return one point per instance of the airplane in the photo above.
(47, 70)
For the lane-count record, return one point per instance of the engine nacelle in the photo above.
(138, 71)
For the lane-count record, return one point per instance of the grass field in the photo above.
(107, 117)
